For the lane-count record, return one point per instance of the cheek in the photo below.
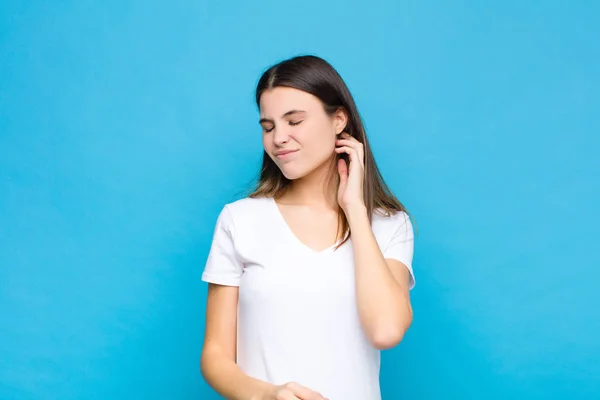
(317, 138)
(318, 145)
(268, 145)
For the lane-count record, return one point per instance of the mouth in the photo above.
(285, 154)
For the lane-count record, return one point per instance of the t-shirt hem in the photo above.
(220, 280)
(412, 281)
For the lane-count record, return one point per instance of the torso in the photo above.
(297, 313)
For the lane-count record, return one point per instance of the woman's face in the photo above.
(298, 134)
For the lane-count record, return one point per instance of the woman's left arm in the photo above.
(382, 285)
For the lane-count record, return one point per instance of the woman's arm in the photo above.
(382, 286)
(218, 363)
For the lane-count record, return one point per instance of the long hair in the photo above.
(316, 76)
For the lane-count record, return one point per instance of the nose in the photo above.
(281, 136)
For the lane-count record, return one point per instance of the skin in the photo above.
(293, 120)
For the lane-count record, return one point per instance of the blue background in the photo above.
(125, 126)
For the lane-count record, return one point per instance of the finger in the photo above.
(305, 393)
(354, 143)
(347, 136)
(343, 171)
(349, 139)
(287, 395)
(351, 151)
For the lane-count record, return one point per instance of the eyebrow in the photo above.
(287, 114)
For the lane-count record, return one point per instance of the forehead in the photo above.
(277, 101)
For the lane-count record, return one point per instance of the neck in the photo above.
(314, 189)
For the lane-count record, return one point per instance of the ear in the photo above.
(340, 120)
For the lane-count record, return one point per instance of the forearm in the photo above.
(228, 380)
(383, 305)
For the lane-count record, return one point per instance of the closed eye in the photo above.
(292, 123)
(267, 126)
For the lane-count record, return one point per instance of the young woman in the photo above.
(309, 276)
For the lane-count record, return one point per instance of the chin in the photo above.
(292, 173)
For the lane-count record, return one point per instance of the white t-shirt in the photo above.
(297, 314)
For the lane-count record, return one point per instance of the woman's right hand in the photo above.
(294, 391)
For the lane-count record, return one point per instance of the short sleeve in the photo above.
(223, 266)
(401, 244)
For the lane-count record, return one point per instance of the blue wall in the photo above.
(125, 126)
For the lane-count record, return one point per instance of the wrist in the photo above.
(355, 211)
(265, 392)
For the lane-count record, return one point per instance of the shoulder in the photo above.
(388, 225)
(247, 205)
(245, 211)
(385, 220)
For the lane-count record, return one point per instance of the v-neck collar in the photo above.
(293, 236)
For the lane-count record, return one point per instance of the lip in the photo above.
(283, 154)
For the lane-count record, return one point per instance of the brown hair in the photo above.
(316, 76)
